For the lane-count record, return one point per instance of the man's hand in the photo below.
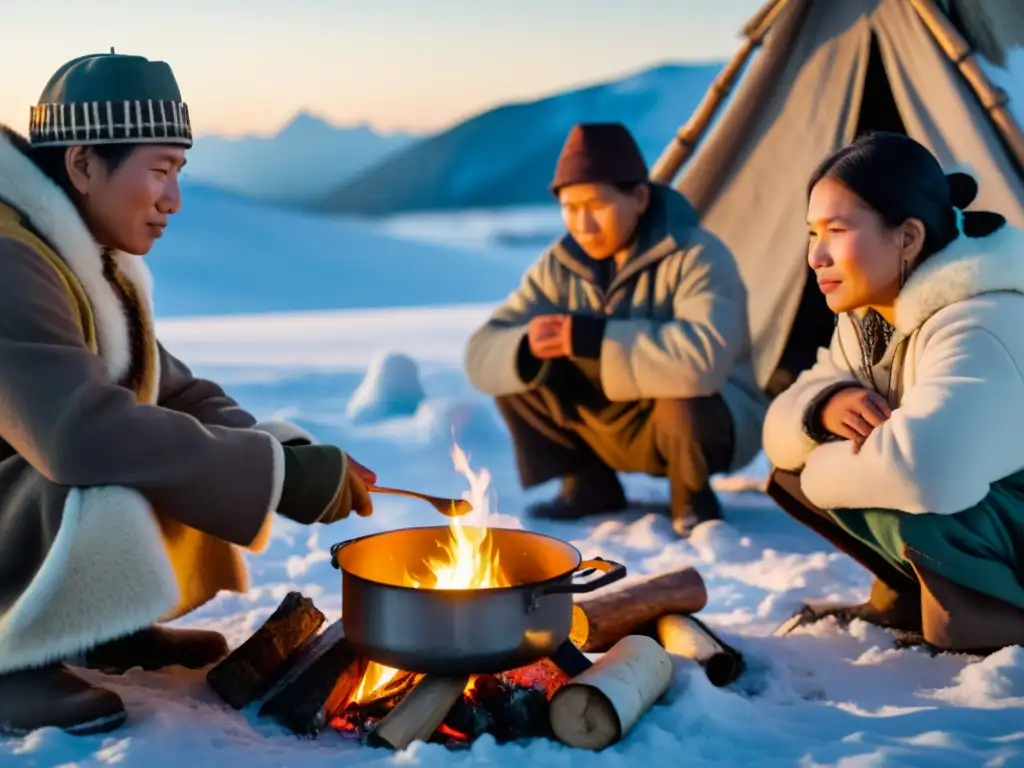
(853, 413)
(550, 336)
(368, 476)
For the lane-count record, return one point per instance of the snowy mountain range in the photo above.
(505, 156)
(500, 158)
(304, 160)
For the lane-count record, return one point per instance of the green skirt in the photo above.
(980, 548)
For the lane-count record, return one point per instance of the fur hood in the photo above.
(54, 217)
(966, 268)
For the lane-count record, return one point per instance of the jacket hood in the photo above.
(967, 267)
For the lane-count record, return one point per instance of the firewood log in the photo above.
(303, 657)
(613, 614)
(687, 636)
(600, 706)
(420, 712)
(249, 671)
(317, 684)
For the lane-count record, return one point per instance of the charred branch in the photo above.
(248, 672)
(318, 685)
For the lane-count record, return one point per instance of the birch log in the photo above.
(600, 706)
(685, 636)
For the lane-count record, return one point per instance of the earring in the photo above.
(903, 272)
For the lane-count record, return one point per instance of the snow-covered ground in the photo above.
(523, 230)
(224, 254)
(819, 697)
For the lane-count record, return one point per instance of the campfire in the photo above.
(509, 705)
(449, 633)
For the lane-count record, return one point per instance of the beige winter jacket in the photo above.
(956, 387)
(677, 321)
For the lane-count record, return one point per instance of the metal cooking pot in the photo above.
(465, 631)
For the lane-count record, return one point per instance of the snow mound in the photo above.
(470, 422)
(995, 682)
(391, 387)
(751, 478)
(718, 541)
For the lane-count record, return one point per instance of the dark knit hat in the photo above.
(599, 153)
(110, 98)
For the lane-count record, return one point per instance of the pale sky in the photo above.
(249, 65)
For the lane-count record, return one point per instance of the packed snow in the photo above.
(387, 384)
(224, 254)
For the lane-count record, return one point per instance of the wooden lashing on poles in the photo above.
(688, 136)
(993, 99)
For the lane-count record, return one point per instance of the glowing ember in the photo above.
(510, 705)
(378, 681)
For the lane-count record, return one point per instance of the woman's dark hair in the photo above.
(901, 180)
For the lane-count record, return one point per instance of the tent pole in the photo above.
(994, 100)
(754, 24)
(683, 143)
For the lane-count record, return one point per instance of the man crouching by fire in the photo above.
(626, 347)
(128, 487)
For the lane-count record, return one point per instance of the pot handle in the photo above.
(610, 572)
(334, 552)
(336, 548)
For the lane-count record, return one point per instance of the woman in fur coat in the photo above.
(903, 444)
(129, 488)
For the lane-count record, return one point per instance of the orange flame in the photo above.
(467, 561)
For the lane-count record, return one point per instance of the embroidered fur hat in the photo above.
(110, 98)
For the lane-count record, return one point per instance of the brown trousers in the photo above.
(558, 434)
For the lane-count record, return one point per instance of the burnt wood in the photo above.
(249, 671)
(317, 685)
(570, 659)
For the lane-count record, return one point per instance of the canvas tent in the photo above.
(826, 71)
